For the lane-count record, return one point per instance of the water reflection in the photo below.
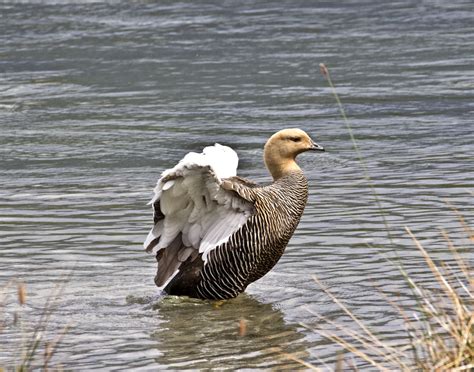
(243, 331)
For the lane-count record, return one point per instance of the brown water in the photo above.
(97, 99)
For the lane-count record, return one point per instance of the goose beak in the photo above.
(316, 147)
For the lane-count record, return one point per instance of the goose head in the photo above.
(281, 150)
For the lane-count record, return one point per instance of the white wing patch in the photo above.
(195, 206)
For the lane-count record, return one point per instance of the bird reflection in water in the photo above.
(237, 333)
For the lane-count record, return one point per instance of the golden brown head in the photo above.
(282, 148)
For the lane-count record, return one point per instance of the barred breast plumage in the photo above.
(215, 233)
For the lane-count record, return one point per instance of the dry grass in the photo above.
(440, 332)
(37, 347)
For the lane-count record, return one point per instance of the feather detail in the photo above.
(193, 213)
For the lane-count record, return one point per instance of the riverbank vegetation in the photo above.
(29, 345)
(439, 321)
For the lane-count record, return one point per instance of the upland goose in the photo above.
(215, 233)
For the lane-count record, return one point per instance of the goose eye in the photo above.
(295, 139)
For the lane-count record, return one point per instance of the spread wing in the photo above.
(197, 207)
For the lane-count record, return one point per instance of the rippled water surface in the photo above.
(97, 99)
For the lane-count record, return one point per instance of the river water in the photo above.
(96, 99)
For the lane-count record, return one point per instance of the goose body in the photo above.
(215, 233)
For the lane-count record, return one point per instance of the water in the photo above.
(96, 99)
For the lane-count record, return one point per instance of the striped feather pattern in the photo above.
(258, 245)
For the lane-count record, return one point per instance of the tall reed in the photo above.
(439, 331)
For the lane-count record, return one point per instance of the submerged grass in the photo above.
(439, 330)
